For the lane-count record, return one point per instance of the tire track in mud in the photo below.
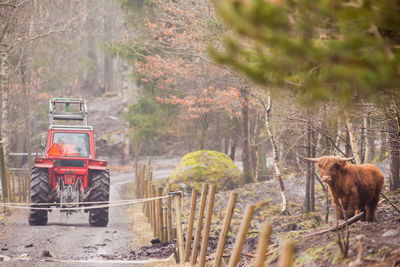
(69, 237)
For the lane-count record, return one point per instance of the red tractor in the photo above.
(69, 175)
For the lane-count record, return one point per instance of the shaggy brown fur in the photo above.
(357, 186)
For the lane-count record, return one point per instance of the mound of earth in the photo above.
(205, 166)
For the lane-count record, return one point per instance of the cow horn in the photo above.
(347, 159)
(309, 159)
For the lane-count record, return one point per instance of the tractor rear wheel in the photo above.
(39, 194)
(100, 192)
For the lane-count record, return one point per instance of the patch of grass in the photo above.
(382, 251)
(140, 227)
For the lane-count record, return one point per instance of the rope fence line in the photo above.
(31, 206)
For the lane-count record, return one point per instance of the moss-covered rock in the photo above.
(205, 166)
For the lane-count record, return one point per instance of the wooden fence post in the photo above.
(262, 245)
(141, 193)
(179, 231)
(27, 180)
(206, 232)
(8, 185)
(199, 224)
(169, 217)
(24, 187)
(160, 214)
(286, 254)
(137, 175)
(29, 187)
(149, 213)
(154, 210)
(13, 188)
(190, 225)
(225, 229)
(241, 237)
(19, 189)
(165, 219)
(149, 181)
(145, 207)
(151, 206)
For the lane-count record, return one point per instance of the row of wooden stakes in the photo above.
(159, 214)
(18, 188)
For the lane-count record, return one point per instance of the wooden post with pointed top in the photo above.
(24, 182)
(206, 232)
(14, 198)
(160, 214)
(169, 217)
(262, 245)
(190, 225)
(286, 254)
(165, 219)
(19, 189)
(8, 185)
(199, 224)
(145, 195)
(179, 231)
(241, 237)
(225, 229)
(154, 210)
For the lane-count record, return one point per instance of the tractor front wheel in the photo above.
(39, 194)
(100, 192)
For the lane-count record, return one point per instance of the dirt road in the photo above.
(69, 240)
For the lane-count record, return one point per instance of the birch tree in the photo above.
(275, 152)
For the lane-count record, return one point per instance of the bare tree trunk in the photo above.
(309, 203)
(248, 175)
(4, 86)
(275, 155)
(353, 136)
(26, 105)
(261, 155)
(226, 144)
(203, 130)
(394, 180)
(232, 151)
(138, 148)
(383, 148)
(339, 133)
(370, 143)
(367, 152)
(253, 136)
(108, 64)
(363, 140)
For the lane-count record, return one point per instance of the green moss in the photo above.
(205, 166)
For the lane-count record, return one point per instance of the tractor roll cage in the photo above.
(81, 115)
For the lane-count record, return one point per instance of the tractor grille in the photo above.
(69, 163)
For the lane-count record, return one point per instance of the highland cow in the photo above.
(357, 186)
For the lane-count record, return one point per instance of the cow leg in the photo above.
(371, 209)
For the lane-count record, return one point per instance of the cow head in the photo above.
(329, 166)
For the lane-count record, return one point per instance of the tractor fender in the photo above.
(43, 163)
(97, 164)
